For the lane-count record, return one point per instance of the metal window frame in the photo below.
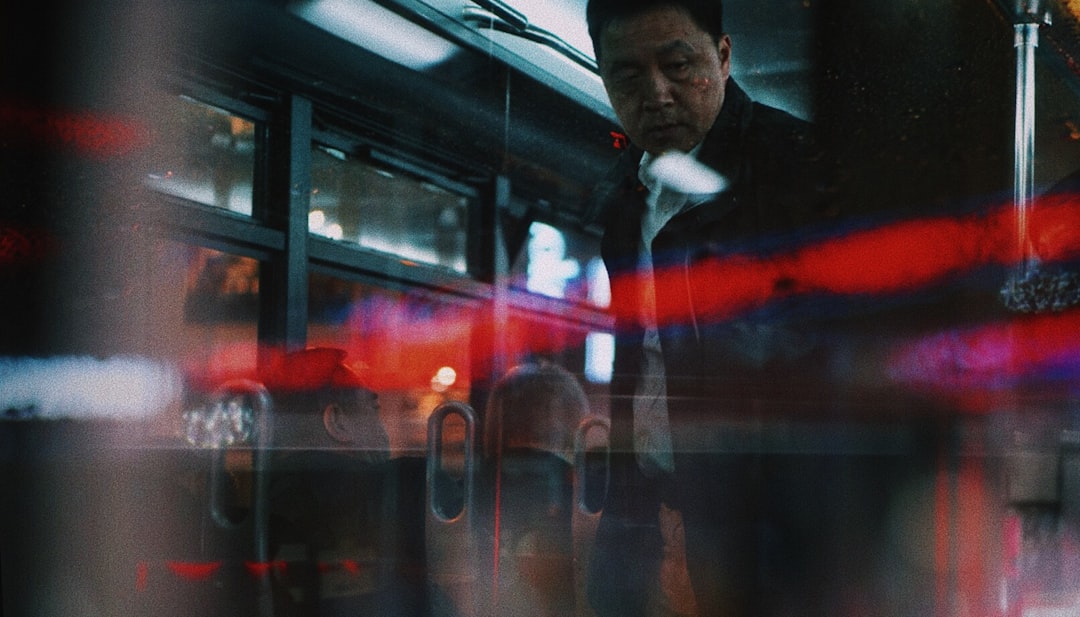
(277, 231)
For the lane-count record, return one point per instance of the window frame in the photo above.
(289, 125)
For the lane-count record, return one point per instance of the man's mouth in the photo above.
(663, 130)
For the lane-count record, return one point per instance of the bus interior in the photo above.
(404, 191)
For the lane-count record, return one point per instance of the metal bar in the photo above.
(494, 21)
(511, 17)
(584, 519)
(1026, 39)
(284, 279)
(258, 519)
(580, 451)
(450, 537)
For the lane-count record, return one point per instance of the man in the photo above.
(688, 383)
(346, 518)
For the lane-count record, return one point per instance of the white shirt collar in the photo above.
(649, 180)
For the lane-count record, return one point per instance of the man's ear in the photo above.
(723, 47)
(336, 424)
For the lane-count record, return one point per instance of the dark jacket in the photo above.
(778, 182)
(719, 365)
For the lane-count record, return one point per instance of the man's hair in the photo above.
(536, 404)
(599, 14)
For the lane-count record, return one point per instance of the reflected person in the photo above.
(531, 423)
(347, 543)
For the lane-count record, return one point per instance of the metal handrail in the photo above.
(498, 21)
(259, 516)
(580, 450)
(450, 540)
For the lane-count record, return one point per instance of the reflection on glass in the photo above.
(203, 154)
(386, 211)
(413, 350)
(215, 329)
(560, 263)
(222, 288)
(202, 312)
(550, 269)
(599, 357)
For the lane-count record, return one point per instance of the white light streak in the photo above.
(683, 173)
(83, 387)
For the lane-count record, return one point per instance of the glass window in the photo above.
(386, 210)
(203, 154)
(599, 357)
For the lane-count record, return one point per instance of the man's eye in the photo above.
(679, 68)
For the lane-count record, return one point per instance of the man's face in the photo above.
(665, 77)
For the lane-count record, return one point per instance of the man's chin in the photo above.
(659, 144)
(664, 148)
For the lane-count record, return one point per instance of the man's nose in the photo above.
(658, 91)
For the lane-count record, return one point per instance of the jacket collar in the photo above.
(721, 150)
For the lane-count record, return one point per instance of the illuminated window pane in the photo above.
(550, 269)
(386, 211)
(560, 263)
(599, 357)
(203, 154)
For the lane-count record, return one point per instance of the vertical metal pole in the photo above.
(1026, 39)
(1027, 289)
(258, 521)
(283, 285)
(500, 293)
(1031, 287)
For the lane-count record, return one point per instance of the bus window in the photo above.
(386, 210)
(203, 154)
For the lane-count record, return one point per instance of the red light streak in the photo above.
(92, 134)
(192, 570)
(142, 574)
(964, 536)
(263, 568)
(400, 344)
(202, 571)
(889, 259)
(392, 346)
(350, 566)
(991, 357)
